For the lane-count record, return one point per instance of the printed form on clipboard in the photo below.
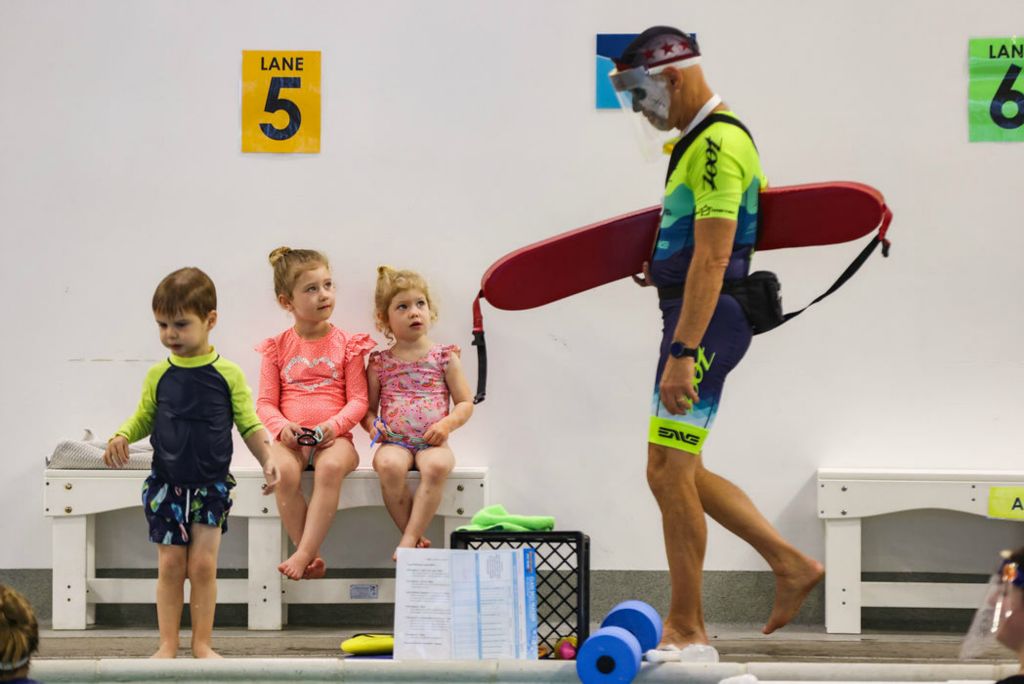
(454, 604)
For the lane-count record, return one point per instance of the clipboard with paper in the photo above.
(466, 604)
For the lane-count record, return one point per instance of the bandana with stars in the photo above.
(659, 46)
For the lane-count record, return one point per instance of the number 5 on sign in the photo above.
(995, 105)
(280, 101)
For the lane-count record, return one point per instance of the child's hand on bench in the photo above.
(116, 453)
(272, 476)
(258, 444)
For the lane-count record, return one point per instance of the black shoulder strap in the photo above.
(688, 139)
(848, 273)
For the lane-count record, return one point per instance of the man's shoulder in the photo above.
(727, 130)
(722, 147)
(722, 137)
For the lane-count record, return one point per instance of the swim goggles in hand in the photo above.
(386, 436)
(310, 438)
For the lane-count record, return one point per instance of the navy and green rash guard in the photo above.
(187, 408)
(718, 176)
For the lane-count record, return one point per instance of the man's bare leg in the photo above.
(795, 573)
(671, 476)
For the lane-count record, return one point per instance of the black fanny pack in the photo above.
(757, 294)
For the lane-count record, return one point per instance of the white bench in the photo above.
(73, 499)
(847, 495)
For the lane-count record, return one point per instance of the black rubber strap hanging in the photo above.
(481, 350)
(854, 266)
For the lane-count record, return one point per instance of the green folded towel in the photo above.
(496, 518)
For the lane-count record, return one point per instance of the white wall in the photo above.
(456, 131)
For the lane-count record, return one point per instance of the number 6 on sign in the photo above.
(280, 101)
(995, 96)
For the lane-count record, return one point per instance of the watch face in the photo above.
(678, 350)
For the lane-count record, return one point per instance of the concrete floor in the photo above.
(735, 643)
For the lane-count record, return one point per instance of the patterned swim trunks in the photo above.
(171, 510)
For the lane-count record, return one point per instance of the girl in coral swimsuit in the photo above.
(312, 392)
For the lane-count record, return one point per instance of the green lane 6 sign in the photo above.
(995, 96)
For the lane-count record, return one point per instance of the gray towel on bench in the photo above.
(87, 454)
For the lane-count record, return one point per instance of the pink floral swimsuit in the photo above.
(413, 394)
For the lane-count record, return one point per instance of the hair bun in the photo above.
(278, 254)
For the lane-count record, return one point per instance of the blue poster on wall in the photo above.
(609, 46)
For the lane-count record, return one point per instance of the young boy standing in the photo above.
(189, 402)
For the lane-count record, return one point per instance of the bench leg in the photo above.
(264, 579)
(90, 566)
(69, 572)
(286, 550)
(842, 576)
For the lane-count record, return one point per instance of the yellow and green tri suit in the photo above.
(715, 172)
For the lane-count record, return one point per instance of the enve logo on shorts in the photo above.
(669, 433)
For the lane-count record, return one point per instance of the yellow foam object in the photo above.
(369, 644)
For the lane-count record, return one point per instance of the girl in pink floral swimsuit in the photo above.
(411, 386)
(312, 392)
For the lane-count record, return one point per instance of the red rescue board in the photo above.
(581, 259)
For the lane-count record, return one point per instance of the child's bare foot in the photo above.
(294, 567)
(791, 588)
(316, 569)
(204, 651)
(423, 543)
(166, 651)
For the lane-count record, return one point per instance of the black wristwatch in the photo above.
(679, 350)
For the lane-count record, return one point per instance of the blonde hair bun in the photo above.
(289, 263)
(278, 254)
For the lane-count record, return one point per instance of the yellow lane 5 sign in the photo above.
(280, 101)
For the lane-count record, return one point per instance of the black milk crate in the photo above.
(563, 578)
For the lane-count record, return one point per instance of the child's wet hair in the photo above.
(290, 263)
(391, 282)
(19, 631)
(187, 290)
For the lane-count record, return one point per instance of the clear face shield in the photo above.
(648, 93)
(1000, 619)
